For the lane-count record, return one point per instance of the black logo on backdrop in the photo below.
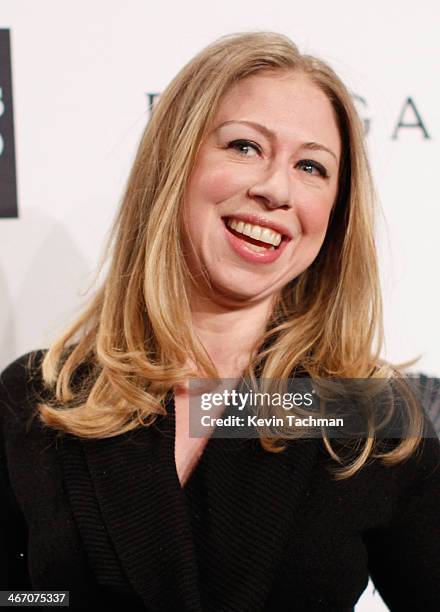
(409, 117)
(8, 184)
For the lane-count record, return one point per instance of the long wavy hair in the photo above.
(115, 365)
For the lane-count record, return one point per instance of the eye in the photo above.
(244, 147)
(311, 167)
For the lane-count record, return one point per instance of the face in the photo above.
(257, 204)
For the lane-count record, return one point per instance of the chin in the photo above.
(228, 294)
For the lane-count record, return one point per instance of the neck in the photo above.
(229, 334)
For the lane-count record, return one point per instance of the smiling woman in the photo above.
(244, 248)
(270, 160)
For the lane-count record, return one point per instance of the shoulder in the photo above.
(424, 463)
(423, 466)
(21, 384)
(404, 478)
(414, 482)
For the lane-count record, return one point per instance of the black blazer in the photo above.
(250, 531)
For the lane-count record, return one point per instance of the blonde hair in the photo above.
(114, 366)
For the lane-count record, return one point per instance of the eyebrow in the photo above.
(312, 146)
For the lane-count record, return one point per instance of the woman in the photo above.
(243, 247)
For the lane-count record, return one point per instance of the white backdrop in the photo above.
(81, 75)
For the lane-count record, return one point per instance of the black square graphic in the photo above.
(8, 182)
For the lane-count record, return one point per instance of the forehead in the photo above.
(289, 104)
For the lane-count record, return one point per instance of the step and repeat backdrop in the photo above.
(76, 84)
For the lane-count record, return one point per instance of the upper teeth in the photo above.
(255, 231)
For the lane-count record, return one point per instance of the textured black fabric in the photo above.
(250, 531)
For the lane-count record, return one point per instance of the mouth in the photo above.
(258, 238)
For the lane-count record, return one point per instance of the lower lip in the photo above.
(241, 248)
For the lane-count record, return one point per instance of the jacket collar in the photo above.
(126, 498)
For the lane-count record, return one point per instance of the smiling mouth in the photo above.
(257, 237)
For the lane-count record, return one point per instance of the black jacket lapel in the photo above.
(140, 515)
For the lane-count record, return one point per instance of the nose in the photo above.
(273, 188)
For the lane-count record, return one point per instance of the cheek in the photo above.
(314, 217)
(213, 184)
